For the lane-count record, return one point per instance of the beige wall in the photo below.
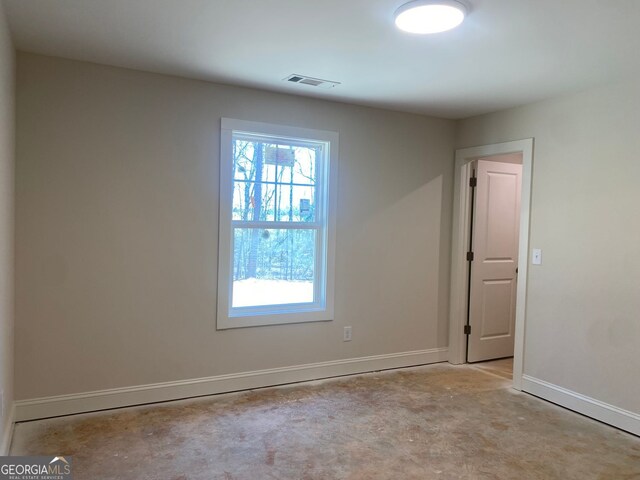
(583, 326)
(6, 221)
(116, 232)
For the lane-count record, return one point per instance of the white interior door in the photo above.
(496, 225)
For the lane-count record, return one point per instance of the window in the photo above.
(277, 224)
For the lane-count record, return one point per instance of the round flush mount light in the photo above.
(430, 16)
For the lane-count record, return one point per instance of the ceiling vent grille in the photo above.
(313, 82)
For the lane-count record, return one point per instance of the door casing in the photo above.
(460, 242)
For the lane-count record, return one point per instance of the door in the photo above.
(495, 232)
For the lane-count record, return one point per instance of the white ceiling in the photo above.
(506, 53)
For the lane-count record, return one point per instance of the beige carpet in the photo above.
(435, 422)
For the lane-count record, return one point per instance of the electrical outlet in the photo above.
(347, 334)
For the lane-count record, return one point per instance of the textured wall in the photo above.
(117, 209)
(583, 327)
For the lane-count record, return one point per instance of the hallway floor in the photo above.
(502, 367)
(433, 422)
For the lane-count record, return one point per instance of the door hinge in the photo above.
(469, 256)
(473, 181)
(467, 329)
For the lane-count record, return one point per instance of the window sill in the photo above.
(243, 321)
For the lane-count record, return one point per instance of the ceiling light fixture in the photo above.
(430, 16)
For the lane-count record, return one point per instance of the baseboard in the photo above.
(618, 417)
(159, 392)
(7, 434)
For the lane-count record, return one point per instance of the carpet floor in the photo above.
(433, 422)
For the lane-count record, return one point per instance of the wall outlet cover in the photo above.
(347, 334)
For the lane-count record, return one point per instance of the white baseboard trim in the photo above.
(159, 392)
(7, 434)
(604, 412)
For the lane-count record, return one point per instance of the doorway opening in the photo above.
(490, 252)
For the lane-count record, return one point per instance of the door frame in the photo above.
(460, 244)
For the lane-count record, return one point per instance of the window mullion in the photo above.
(277, 225)
(270, 182)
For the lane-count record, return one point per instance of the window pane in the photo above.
(305, 168)
(273, 266)
(243, 160)
(295, 204)
(273, 202)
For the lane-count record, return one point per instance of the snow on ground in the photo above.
(253, 291)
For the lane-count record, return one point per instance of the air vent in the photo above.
(313, 82)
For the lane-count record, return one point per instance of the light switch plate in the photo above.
(536, 256)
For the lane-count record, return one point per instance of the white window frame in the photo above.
(322, 308)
